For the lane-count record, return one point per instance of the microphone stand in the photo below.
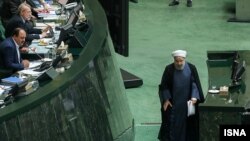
(37, 54)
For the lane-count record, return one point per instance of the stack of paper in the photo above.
(191, 108)
(52, 24)
(30, 72)
(12, 80)
(15, 80)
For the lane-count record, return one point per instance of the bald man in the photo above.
(10, 54)
(179, 86)
(22, 20)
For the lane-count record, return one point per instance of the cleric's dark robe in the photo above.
(172, 124)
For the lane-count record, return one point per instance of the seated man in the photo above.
(9, 52)
(10, 8)
(22, 21)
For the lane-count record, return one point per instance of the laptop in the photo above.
(51, 33)
(47, 64)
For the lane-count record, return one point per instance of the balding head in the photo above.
(24, 11)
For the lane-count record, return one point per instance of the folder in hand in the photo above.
(191, 108)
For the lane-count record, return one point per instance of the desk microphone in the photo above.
(37, 54)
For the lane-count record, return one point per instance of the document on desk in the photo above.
(4, 87)
(51, 17)
(34, 64)
(45, 14)
(13, 80)
(30, 72)
(38, 49)
(1, 91)
(52, 24)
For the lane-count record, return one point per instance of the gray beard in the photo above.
(180, 68)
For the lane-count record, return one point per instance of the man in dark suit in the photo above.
(10, 57)
(9, 52)
(10, 8)
(22, 21)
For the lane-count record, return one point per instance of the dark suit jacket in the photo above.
(9, 9)
(9, 57)
(15, 22)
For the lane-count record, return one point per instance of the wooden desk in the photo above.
(218, 110)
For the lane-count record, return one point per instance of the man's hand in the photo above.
(26, 63)
(33, 49)
(43, 35)
(24, 50)
(194, 100)
(166, 104)
(46, 29)
(46, 8)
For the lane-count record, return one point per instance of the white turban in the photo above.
(180, 53)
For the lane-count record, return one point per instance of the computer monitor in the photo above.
(74, 15)
(241, 69)
(237, 73)
(234, 68)
(73, 18)
(65, 33)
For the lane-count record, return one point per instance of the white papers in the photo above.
(13, 80)
(1, 91)
(213, 91)
(45, 14)
(52, 12)
(52, 24)
(191, 108)
(34, 64)
(51, 17)
(47, 59)
(30, 72)
(4, 87)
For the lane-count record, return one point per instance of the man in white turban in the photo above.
(179, 59)
(180, 85)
